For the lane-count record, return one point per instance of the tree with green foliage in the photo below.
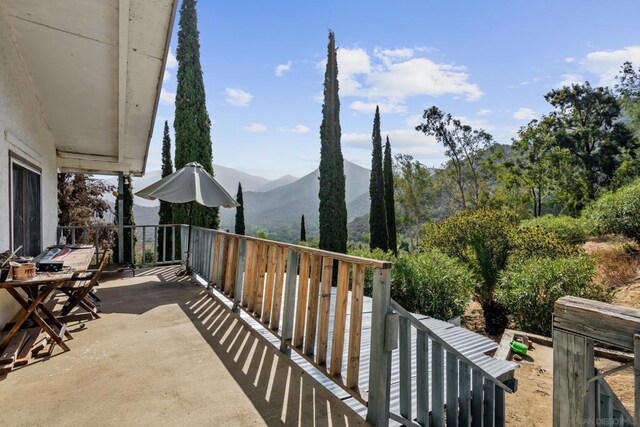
(80, 199)
(587, 124)
(415, 194)
(379, 238)
(303, 230)
(130, 239)
(628, 89)
(165, 213)
(389, 199)
(533, 165)
(464, 147)
(192, 125)
(240, 211)
(333, 207)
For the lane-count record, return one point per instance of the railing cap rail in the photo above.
(314, 251)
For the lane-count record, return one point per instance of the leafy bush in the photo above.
(530, 288)
(573, 231)
(481, 239)
(535, 242)
(378, 254)
(432, 283)
(617, 212)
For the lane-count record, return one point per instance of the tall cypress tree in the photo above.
(377, 213)
(303, 230)
(192, 125)
(130, 238)
(389, 199)
(240, 211)
(165, 213)
(333, 207)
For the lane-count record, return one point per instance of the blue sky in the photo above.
(489, 63)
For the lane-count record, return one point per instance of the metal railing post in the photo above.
(380, 355)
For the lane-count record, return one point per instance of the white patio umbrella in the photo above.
(192, 183)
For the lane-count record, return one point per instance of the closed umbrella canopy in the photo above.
(190, 184)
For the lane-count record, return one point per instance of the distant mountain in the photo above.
(229, 178)
(284, 180)
(286, 204)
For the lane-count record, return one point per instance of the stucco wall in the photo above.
(23, 130)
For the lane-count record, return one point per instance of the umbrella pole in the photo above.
(188, 262)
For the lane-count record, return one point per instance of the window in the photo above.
(26, 207)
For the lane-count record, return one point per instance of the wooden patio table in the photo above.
(38, 289)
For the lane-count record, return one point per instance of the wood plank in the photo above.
(214, 257)
(240, 267)
(271, 280)
(230, 271)
(248, 276)
(260, 273)
(288, 311)
(437, 384)
(314, 251)
(452, 389)
(422, 377)
(301, 304)
(380, 357)
(355, 326)
(23, 356)
(464, 387)
(488, 403)
(9, 353)
(279, 285)
(636, 375)
(405, 367)
(340, 318)
(500, 407)
(323, 311)
(600, 321)
(476, 398)
(312, 306)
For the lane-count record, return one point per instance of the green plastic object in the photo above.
(518, 347)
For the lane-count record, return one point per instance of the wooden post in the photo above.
(636, 366)
(380, 357)
(237, 294)
(220, 263)
(405, 368)
(572, 368)
(422, 377)
(293, 259)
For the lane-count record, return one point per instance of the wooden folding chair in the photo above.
(79, 290)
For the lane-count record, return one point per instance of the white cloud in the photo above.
(606, 63)
(255, 127)
(385, 107)
(166, 96)
(296, 129)
(166, 76)
(389, 56)
(570, 60)
(405, 141)
(483, 112)
(281, 69)
(524, 114)
(569, 79)
(238, 97)
(172, 62)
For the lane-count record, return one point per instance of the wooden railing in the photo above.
(581, 395)
(462, 393)
(144, 247)
(257, 275)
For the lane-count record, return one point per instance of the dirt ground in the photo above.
(531, 405)
(618, 263)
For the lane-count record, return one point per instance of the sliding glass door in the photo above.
(26, 207)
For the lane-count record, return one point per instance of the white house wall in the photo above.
(23, 131)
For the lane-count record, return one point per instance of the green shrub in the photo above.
(535, 242)
(530, 288)
(617, 212)
(479, 238)
(378, 254)
(573, 231)
(432, 283)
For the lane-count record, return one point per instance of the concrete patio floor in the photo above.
(164, 352)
